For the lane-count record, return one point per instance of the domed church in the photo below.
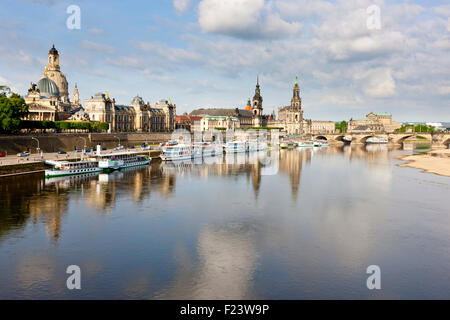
(49, 98)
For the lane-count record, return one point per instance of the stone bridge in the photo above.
(437, 140)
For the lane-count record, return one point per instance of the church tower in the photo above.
(53, 59)
(295, 113)
(257, 101)
(296, 101)
(52, 71)
(76, 96)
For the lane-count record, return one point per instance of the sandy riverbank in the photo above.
(438, 163)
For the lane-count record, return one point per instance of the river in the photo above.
(287, 224)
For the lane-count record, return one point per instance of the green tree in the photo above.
(12, 109)
(342, 126)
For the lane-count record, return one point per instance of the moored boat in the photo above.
(235, 147)
(321, 143)
(176, 152)
(67, 168)
(305, 144)
(376, 140)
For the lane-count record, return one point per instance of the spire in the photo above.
(257, 90)
(296, 81)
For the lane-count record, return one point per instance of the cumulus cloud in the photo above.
(181, 5)
(377, 83)
(246, 19)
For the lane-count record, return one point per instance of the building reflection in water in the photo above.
(227, 259)
(37, 199)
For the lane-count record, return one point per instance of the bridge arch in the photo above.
(447, 143)
(402, 139)
(321, 138)
(364, 139)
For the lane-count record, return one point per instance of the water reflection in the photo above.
(46, 200)
(300, 223)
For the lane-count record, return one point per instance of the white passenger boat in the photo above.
(67, 168)
(262, 145)
(321, 143)
(176, 152)
(235, 147)
(305, 144)
(197, 150)
(376, 140)
(118, 160)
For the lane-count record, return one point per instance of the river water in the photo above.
(288, 224)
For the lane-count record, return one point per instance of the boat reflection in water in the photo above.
(274, 224)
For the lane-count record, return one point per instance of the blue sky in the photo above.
(207, 53)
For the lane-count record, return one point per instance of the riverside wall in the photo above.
(54, 142)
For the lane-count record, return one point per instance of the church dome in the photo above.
(137, 101)
(53, 50)
(48, 87)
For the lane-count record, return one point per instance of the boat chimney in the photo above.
(99, 149)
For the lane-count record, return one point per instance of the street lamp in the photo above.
(84, 149)
(37, 143)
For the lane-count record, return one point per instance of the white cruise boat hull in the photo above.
(59, 173)
(136, 163)
(109, 164)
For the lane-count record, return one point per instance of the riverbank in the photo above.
(11, 165)
(436, 161)
(53, 142)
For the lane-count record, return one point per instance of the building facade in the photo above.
(223, 122)
(374, 122)
(48, 99)
(318, 127)
(291, 117)
(188, 122)
(139, 116)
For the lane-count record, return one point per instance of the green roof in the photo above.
(381, 114)
(221, 118)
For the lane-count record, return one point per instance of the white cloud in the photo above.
(247, 19)
(377, 83)
(181, 5)
(94, 46)
(444, 90)
(95, 31)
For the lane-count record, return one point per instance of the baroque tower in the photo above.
(257, 108)
(295, 116)
(76, 96)
(296, 101)
(52, 71)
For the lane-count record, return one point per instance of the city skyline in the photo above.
(181, 50)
